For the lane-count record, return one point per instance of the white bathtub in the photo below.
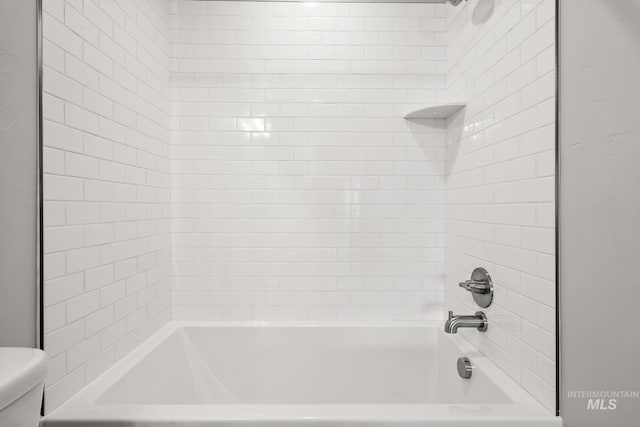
(222, 374)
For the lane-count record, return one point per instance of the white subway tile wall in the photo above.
(298, 190)
(500, 188)
(249, 161)
(106, 184)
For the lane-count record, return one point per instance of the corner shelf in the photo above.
(441, 111)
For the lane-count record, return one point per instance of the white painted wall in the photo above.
(106, 164)
(18, 173)
(299, 191)
(599, 229)
(500, 183)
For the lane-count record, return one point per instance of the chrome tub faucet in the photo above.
(478, 321)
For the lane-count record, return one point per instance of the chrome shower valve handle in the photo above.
(476, 286)
(480, 286)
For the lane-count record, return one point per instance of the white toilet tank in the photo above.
(22, 372)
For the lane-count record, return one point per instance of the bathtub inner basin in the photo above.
(197, 374)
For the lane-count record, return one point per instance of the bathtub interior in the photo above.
(301, 365)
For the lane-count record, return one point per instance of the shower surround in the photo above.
(106, 184)
(249, 161)
(298, 190)
(501, 181)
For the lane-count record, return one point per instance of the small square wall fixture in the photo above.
(441, 111)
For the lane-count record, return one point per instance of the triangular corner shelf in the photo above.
(441, 111)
